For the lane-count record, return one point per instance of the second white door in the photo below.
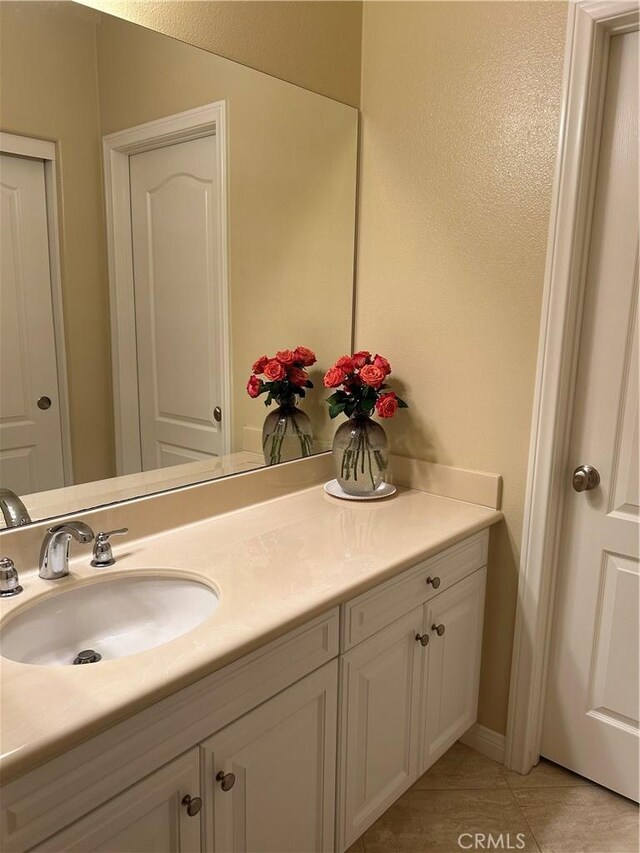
(180, 326)
(30, 427)
(591, 713)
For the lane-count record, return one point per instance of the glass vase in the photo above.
(360, 455)
(286, 433)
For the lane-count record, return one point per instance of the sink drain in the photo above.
(87, 656)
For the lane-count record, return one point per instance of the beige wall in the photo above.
(48, 89)
(292, 177)
(460, 112)
(314, 44)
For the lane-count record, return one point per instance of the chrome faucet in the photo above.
(14, 511)
(54, 554)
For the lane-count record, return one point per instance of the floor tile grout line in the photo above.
(526, 820)
(413, 789)
(547, 787)
(452, 790)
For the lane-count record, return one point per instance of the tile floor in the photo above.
(554, 811)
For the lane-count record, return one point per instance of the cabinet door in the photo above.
(148, 817)
(279, 767)
(451, 670)
(379, 724)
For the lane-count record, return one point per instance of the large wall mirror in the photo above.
(168, 217)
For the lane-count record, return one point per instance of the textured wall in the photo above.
(460, 118)
(314, 44)
(48, 89)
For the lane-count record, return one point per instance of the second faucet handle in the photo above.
(102, 553)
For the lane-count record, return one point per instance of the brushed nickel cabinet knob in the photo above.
(227, 780)
(435, 582)
(192, 804)
(423, 639)
(439, 629)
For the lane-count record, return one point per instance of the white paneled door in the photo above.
(591, 711)
(179, 306)
(30, 431)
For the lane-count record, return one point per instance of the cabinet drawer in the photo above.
(59, 792)
(377, 608)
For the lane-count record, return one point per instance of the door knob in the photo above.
(193, 805)
(585, 478)
(217, 414)
(227, 780)
(439, 629)
(44, 403)
(423, 639)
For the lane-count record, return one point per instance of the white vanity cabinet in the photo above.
(270, 776)
(266, 713)
(264, 783)
(297, 747)
(148, 817)
(410, 690)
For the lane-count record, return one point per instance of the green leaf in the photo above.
(336, 409)
(302, 392)
(368, 405)
(402, 404)
(309, 384)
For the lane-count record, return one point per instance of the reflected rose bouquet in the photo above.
(284, 375)
(361, 387)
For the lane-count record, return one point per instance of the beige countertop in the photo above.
(275, 566)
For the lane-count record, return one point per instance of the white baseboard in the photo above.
(485, 741)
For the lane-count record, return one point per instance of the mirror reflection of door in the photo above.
(223, 202)
(179, 327)
(30, 432)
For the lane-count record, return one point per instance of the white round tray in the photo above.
(334, 489)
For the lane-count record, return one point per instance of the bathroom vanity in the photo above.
(340, 664)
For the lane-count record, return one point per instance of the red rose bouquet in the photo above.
(360, 380)
(360, 447)
(284, 375)
(286, 432)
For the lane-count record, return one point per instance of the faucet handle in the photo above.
(9, 581)
(102, 553)
(103, 536)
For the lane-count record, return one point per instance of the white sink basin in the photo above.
(115, 618)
